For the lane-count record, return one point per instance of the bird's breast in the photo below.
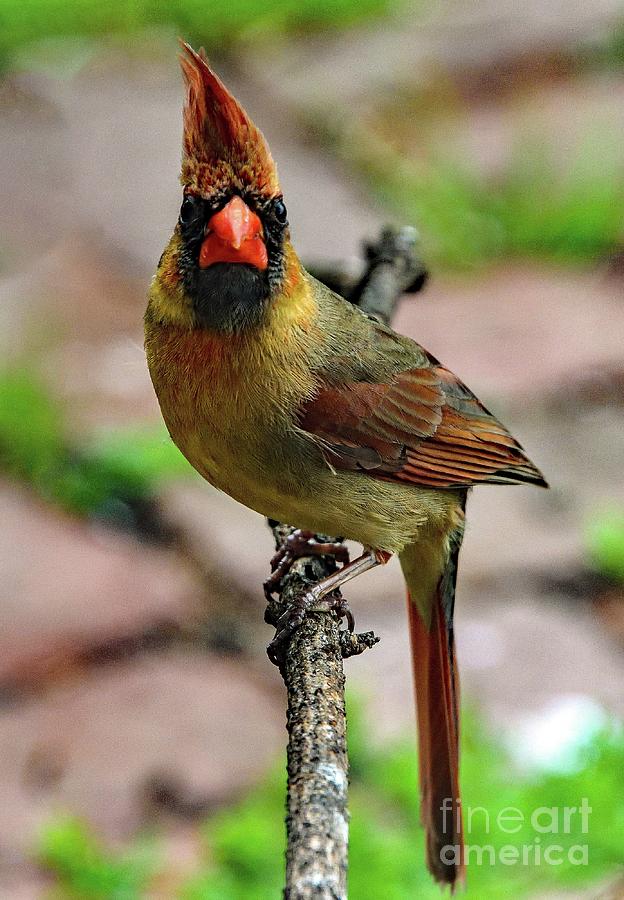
(230, 405)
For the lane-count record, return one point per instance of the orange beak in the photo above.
(234, 236)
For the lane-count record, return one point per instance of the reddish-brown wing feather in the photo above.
(424, 427)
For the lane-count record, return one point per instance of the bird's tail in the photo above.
(437, 705)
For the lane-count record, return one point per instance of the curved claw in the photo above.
(343, 611)
(312, 600)
(287, 624)
(297, 545)
(274, 652)
(293, 616)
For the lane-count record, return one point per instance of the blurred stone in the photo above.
(232, 546)
(235, 538)
(610, 608)
(68, 587)
(558, 324)
(205, 722)
(23, 882)
(182, 852)
(76, 314)
(565, 120)
(421, 44)
(109, 148)
(517, 652)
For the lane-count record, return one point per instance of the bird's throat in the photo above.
(227, 296)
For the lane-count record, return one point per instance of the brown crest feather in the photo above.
(220, 141)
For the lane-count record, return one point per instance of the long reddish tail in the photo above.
(437, 702)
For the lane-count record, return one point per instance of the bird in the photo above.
(297, 404)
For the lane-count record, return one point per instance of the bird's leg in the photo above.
(298, 544)
(313, 600)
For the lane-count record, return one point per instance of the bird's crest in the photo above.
(221, 144)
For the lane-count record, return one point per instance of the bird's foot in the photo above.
(312, 600)
(297, 545)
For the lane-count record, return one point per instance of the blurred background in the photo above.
(141, 724)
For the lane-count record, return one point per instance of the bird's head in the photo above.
(230, 251)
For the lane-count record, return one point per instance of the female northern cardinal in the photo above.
(300, 406)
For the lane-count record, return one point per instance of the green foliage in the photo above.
(31, 437)
(100, 480)
(217, 25)
(247, 845)
(86, 870)
(534, 209)
(386, 842)
(608, 53)
(606, 545)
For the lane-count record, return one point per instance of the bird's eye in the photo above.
(279, 211)
(190, 209)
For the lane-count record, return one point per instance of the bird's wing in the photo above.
(421, 426)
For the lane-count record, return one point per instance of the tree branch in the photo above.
(317, 814)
